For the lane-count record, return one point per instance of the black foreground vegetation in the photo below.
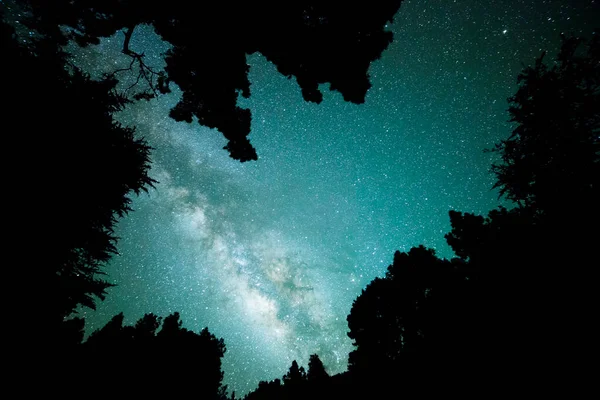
(512, 314)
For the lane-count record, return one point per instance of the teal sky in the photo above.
(270, 254)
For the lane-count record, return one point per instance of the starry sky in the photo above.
(270, 254)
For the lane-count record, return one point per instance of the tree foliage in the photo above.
(315, 41)
(316, 369)
(297, 384)
(534, 258)
(295, 375)
(158, 350)
(415, 312)
(266, 390)
(75, 168)
(551, 160)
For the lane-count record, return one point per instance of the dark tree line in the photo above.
(153, 358)
(158, 357)
(297, 383)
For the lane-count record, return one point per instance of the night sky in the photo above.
(270, 254)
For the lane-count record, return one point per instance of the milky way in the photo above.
(270, 254)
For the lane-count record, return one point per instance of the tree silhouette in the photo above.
(550, 161)
(412, 325)
(399, 319)
(267, 391)
(316, 369)
(315, 41)
(146, 327)
(533, 260)
(74, 170)
(295, 375)
(153, 352)
(510, 267)
(297, 384)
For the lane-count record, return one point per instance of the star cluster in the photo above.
(270, 254)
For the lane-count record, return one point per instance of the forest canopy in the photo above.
(314, 41)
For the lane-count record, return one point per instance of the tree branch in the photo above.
(144, 72)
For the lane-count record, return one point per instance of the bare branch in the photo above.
(145, 72)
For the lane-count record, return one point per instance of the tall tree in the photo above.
(411, 320)
(316, 369)
(295, 383)
(537, 286)
(295, 375)
(74, 168)
(550, 162)
(315, 41)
